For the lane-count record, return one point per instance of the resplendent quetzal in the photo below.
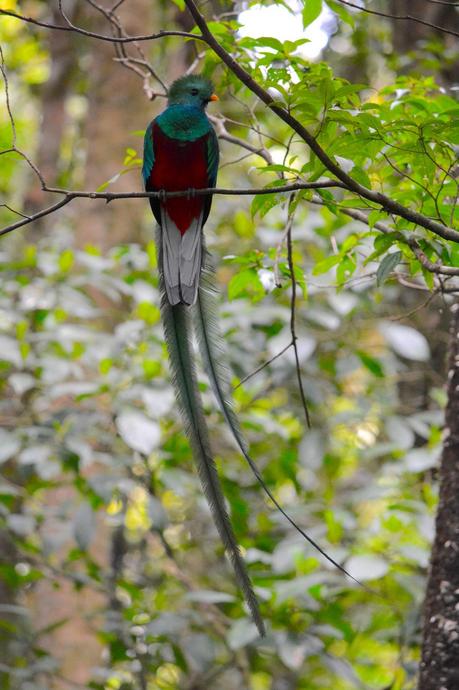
(181, 154)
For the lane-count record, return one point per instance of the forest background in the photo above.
(111, 574)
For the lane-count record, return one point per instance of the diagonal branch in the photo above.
(44, 212)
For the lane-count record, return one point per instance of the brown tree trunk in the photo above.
(440, 650)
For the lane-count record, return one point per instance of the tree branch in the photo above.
(431, 266)
(44, 212)
(100, 37)
(404, 17)
(264, 365)
(111, 196)
(293, 318)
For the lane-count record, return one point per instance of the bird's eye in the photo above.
(194, 92)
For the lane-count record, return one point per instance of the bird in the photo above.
(181, 153)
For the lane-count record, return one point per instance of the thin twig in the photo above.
(222, 133)
(100, 37)
(120, 49)
(7, 98)
(13, 210)
(264, 365)
(412, 312)
(293, 318)
(443, 2)
(278, 256)
(404, 17)
(44, 212)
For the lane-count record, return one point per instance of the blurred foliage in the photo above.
(86, 405)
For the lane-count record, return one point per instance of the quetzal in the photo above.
(181, 154)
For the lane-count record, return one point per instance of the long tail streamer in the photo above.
(177, 331)
(212, 347)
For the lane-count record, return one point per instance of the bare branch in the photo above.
(100, 37)
(120, 49)
(44, 212)
(412, 312)
(13, 210)
(293, 317)
(7, 98)
(223, 134)
(264, 365)
(404, 17)
(13, 148)
(443, 2)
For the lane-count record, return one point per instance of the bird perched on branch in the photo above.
(181, 154)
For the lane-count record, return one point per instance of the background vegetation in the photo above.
(111, 574)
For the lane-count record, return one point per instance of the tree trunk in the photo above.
(440, 650)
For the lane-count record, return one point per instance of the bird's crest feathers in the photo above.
(192, 89)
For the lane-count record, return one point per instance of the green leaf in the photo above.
(245, 282)
(180, 4)
(386, 266)
(312, 9)
(66, 260)
(262, 203)
(342, 12)
(346, 268)
(381, 244)
(371, 364)
(326, 264)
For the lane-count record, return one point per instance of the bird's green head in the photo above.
(193, 90)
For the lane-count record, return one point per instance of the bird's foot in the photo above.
(190, 194)
(162, 195)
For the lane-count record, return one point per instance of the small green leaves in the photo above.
(386, 266)
(311, 10)
(66, 260)
(247, 282)
(262, 203)
(326, 264)
(371, 363)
